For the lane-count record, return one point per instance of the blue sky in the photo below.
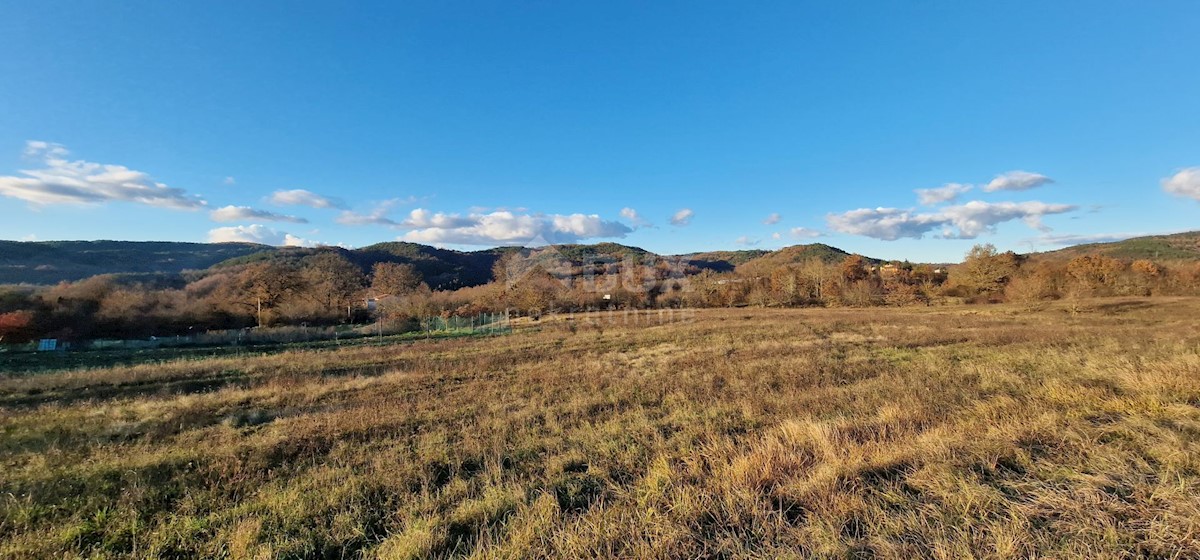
(471, 124)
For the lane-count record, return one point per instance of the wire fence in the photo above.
(484, 323)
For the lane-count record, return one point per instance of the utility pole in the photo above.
(260, 311)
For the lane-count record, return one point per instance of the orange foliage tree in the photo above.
(15, 324)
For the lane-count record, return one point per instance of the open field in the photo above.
(1070, 431)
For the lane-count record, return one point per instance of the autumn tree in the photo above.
(641, 280)
(985, 270)
(1095, 272)
(1146, 268)
(15, 324)
(819, 280)
(394, 279)
(1189, 277)
(702, 289)
(1037, 283)
(786, 286)
(261, 288)
(855, 268)
(331, 281)
(898, 292)
(400, 293)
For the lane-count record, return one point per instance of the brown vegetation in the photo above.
(325, 287)
(1069, 431)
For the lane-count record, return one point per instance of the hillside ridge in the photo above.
(50, 262)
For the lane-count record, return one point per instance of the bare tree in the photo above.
(263, 287)
(394, 279)
(332, 281)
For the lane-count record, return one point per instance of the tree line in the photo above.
(326, 288)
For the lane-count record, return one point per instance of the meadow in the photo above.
(1068, 429)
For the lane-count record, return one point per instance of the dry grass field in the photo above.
(1067, 431)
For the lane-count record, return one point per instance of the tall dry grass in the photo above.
(986, 432)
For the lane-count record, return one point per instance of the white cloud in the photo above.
(421, 218)
(975, 217)
(350, 218)
(256, 233)
(777, 235)
(1017, 181)
(301, 197)
(804, 233)
(883, 223)
(683, 217)
(945, 193)
(486, 209)
(377, 215)
(506, 228)
(772, 219)
(1186, 183)
(584, 226)
(746, 241)
(30, 237)
(634, 218)
(82, 182)
(970, 219)
(229, 181)
(43, 149)
(246, 213)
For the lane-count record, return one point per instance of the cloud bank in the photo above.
(945, 193)
(421, 218)
(301, 197)
(246, 213)
(61, 181)
(970, 219)
(507, 228)
(256, 233)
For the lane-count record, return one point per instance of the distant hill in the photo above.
(54, 261)
(440, 268)
(602, 251)
(445, 268)
(722, 261)
(49, 262)
(1178, 246)
(797, 254)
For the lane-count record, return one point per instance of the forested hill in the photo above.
(49, 262)
(439, 268)
(1174, 247)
